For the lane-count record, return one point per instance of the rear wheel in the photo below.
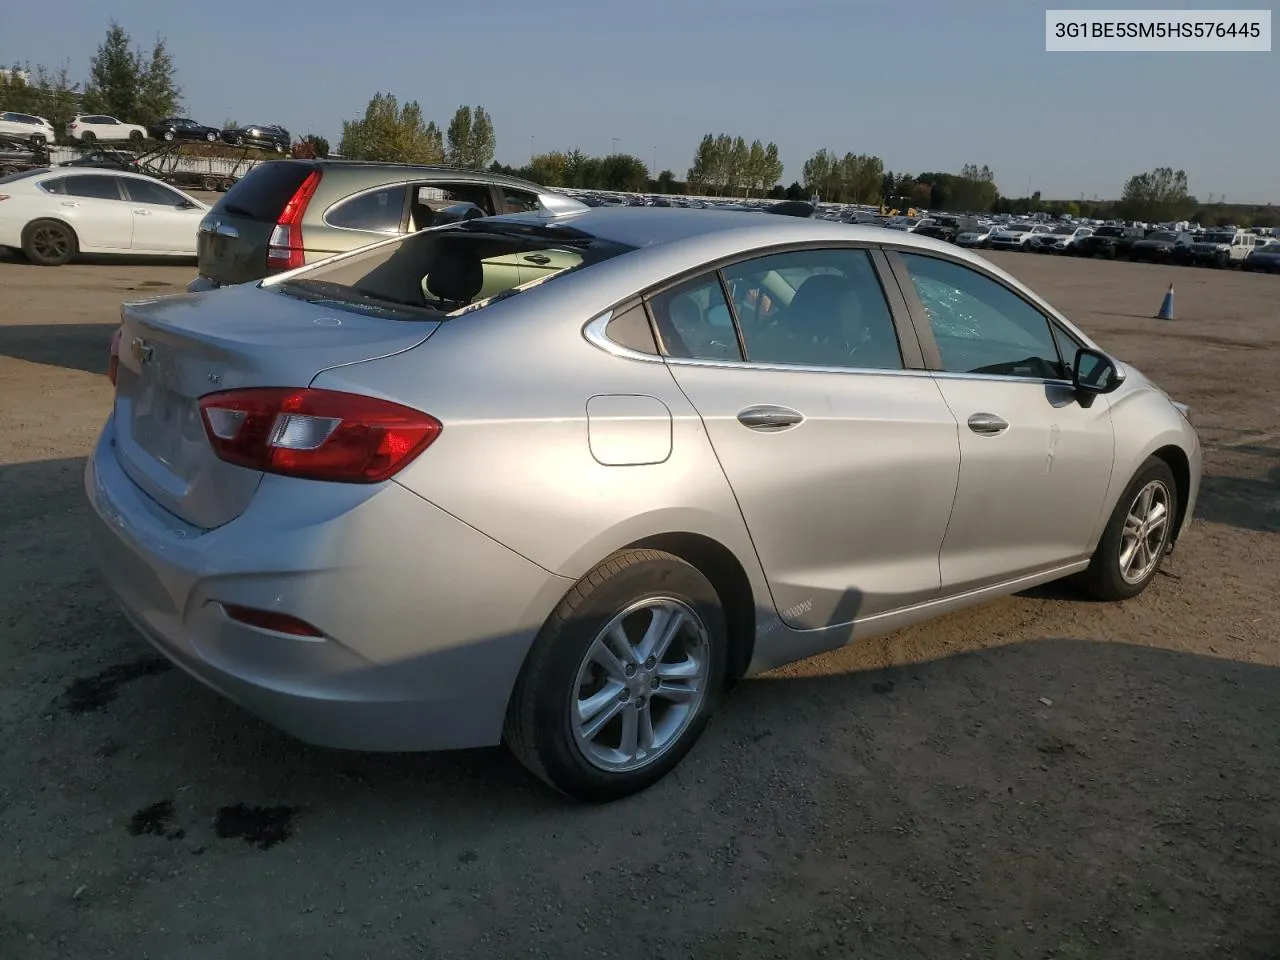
(135, 136)
(49, 243)
(168, 134)
(211, 137)
(210, 184)
(622, 679)
(1137, 536)
(88, 136)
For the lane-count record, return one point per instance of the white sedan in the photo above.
(95, 126)
(53, 214)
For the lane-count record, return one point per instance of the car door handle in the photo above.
(987, 424)
(71, 203)
(143, 213)
(770, 417)
(538, 259)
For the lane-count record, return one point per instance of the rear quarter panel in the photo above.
(511, 384)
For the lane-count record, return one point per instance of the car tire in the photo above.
(136, 136)
(1109, 576)
(49, 243)
(239, 141)
(211, 137)
(88, 136)
(169, 135)
(576, 755)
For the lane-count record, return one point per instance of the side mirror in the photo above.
(1095, 373)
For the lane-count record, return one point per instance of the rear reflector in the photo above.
(285, 247)
(316, 434)
(271, 620)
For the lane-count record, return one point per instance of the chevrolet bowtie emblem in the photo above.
(140, 349)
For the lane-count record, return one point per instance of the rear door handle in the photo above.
(143, 213)
(71, 203)
(769, 417)
(538, 259)
(987, 424)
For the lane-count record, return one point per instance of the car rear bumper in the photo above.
(426, 621)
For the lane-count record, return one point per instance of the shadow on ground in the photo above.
(75, 346)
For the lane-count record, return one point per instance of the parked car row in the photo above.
(88, 128)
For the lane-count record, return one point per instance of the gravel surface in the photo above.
(1038, 777)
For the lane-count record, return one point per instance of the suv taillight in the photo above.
(285, 247)
(316, 434)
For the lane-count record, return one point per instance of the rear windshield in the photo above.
(446, 272)
(263, 192)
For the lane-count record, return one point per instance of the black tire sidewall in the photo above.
(1103, 575)
(567, 640)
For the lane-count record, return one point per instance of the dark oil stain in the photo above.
(96, 691)
(468, 856)
(152, 820)
(885, 686)
(263, 827)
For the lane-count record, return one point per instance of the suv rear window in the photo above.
(262, 194)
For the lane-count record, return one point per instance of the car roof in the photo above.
(729, 229)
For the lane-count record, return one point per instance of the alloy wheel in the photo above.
(49, 242)
(640, 684)
(1145, 533)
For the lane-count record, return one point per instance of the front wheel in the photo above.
(622, 679)
(1136, 537)
(49, 243)
(168, 135)
(88, 136)
(211, 137)
(135, 136)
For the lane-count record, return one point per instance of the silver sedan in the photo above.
(554, 481)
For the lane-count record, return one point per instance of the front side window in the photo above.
(694, 321)
(815, 308)
(93, 186)
(378, 211)
(980, 325)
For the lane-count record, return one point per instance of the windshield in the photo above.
(446, 272)
(1016, 229)
(1219, 236)
(1161, 235)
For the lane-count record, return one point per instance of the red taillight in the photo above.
(113, 362)
(284, 249)
(271, 620)
(316, 434)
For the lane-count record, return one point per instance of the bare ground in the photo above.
(1039, 777)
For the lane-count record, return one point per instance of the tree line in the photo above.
(140, 85)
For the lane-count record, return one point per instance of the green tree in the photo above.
(700, 175)
(620, 171)
(470, 137)
(115, 74)
(666, 182)
(1160, 194)
(319, 145)
(550, 169)
(158, 93)
(392, 133)
(771, 172)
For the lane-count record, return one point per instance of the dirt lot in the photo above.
(1039, 777)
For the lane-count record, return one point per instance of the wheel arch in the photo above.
(26, 229)
(719, 565)
(1180, 465)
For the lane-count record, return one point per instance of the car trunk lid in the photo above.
(174, 350)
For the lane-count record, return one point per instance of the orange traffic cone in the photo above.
(1166, 307)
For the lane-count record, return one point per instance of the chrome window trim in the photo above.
(875, 371)
(594, 333)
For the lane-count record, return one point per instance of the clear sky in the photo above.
(924, 84)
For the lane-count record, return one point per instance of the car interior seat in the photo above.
(456, 276)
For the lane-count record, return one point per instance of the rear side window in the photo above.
(93, 186)
(518, 201)
(378, 211)
(263, 193)
(143, 191)
(695, 322)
